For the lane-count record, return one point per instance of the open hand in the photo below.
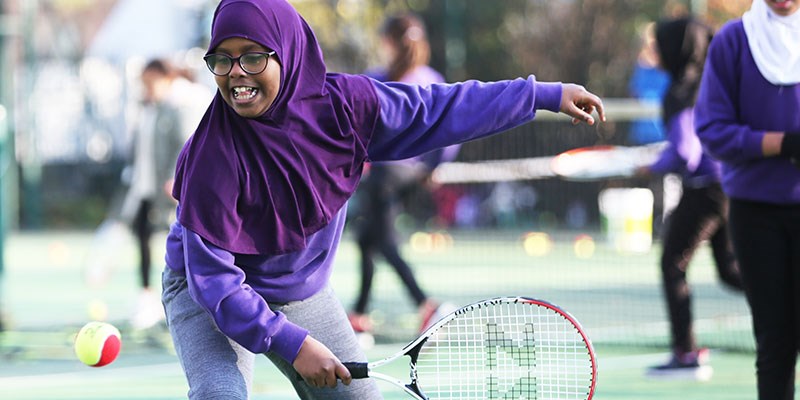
(580, 104)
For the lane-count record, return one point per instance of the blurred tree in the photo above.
(720, 11)
(592, 42)
(346, 29)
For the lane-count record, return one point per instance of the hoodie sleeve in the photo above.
(716, 112)
(219, 287)
(417, 119)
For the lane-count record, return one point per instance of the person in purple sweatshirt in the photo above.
(701, 213)
(262, 187)
(748, 116)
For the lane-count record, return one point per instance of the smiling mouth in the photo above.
(244, 92)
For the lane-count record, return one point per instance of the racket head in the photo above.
(593, 163)
(505, 347)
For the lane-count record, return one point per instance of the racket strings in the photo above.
(508, 350)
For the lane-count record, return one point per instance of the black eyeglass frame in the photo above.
(232, 60)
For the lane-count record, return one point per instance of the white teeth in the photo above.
(244, 92)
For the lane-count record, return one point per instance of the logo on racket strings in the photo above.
(513, 358)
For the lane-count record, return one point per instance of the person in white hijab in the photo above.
(747, 115)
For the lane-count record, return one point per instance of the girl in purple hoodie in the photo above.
(262, 188)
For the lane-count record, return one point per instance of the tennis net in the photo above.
(501, 223)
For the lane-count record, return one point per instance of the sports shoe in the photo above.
(431, 313)
(360, 322)
(689, 366)
(427, 314)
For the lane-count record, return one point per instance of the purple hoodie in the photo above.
(735, 107)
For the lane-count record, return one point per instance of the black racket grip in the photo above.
(358, 370)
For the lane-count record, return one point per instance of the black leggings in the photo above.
(767, 242)
(381, 195)
(699, 216)
(392, 256)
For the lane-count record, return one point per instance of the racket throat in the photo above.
(412, 388)
(413, 354)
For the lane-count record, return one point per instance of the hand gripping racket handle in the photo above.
(358, 370)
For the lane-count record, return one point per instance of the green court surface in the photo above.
(156, 374)
(46, 298)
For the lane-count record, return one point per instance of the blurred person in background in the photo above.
(381, 194)
(648, 83)
(701, 214)
(748, 116)
(171, 108)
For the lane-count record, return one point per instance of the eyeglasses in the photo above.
(253, 63)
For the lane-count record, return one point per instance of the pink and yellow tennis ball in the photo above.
(98, 343)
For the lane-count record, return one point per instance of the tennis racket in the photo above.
(501, 348)
(602, 162)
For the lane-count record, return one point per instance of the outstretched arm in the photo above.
(417, 119)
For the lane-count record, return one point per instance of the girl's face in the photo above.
(249, 95)
(783, 7)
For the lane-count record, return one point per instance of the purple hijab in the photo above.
(262, 185)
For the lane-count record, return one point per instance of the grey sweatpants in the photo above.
(216, 367)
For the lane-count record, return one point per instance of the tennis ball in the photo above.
(98, 343)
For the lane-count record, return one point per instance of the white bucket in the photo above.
(626, 217)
